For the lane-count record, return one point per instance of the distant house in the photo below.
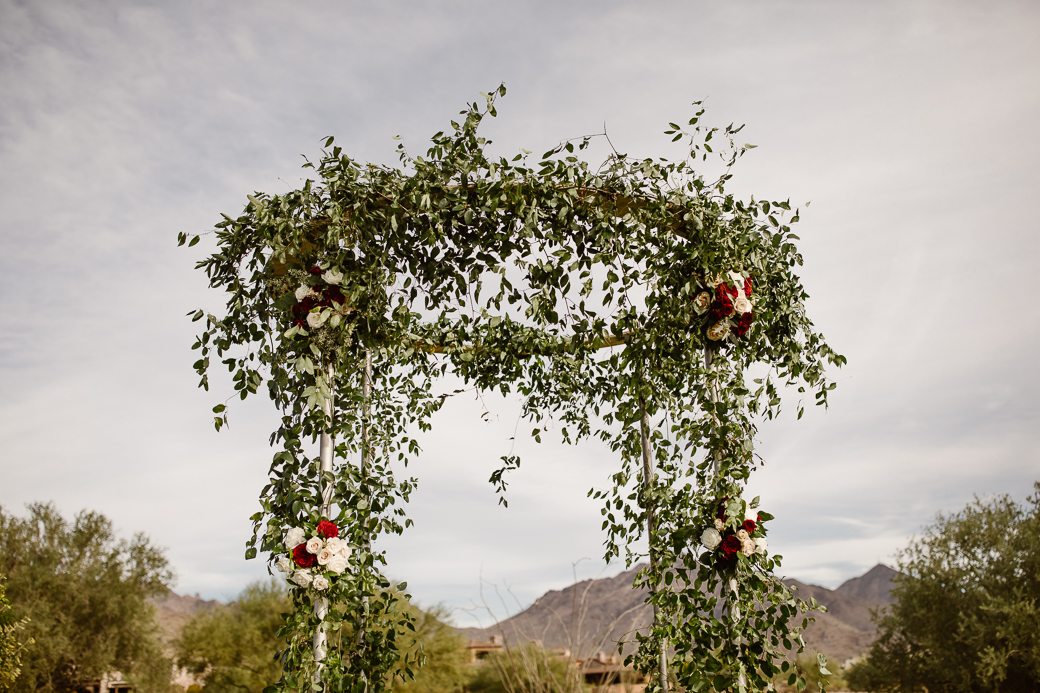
(478, 650)
(109, 683)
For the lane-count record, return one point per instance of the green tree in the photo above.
(444, 669)
(967, 611)
(86, 594)
(234, 647)
(11, 647)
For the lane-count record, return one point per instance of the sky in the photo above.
(909, 125)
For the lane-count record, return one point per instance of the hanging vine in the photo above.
(625, 302)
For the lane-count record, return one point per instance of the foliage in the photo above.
(525, 669)
(968, 605)
(442, 648)
(86, 594)
(234, 647)
(11, 648)
(579, 287)
(816, 672)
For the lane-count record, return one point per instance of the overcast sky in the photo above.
(911, 126)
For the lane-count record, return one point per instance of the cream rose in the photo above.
(324, 556)
(719, 331)
(315, 320)
(719, 524)
(742, 304)
(303, 292)
(747, 545)
(701, 302)
(320, 583)
(331, 277)
(337, 564)
(313, 545)
(335, 544)
(751, 514)
(761, 545)
(302, 578)
(294, 537)
(710, 538)
(283, 564)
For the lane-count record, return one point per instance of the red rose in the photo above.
(722, 306)
(730, 544)
(315, 270)
(747, 287)
(743, 323)
(305, 559)
(749, 526)
(333, 293)
(327, 529)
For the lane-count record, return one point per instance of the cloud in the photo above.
(908, 125)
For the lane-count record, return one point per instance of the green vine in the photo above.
(625, 302)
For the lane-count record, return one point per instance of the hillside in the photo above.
(174, 610)
(595, 615)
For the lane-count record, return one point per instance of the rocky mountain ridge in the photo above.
(594, 615)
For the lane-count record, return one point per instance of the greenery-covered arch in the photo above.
(625, 302)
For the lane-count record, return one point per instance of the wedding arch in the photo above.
(625, 302)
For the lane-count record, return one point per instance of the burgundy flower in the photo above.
(743, 323)
(327, 529)
(730, 545)
(315, 270)
(747, 287)
(749, 526)
(722, 306)
(305, 559)
(335, 294)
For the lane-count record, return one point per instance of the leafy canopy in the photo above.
(968, 605)
(86, 594)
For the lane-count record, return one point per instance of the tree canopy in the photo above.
(967, 606)
(86, 595)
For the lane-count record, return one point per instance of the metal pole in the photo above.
(648, 480)
(326, 452)
(713, 394)
(366, 464)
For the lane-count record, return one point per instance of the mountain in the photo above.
(595, 615)
(173, 610)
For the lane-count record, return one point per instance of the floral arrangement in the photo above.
(728, 306)
(318, 298)
(736, 533)
(314, 562)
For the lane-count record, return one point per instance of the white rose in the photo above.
(751, 514)
(331, 277)
(761, 545)
(303, 292)
(294, 537)
(315, 320)
(701, 302)
(337, 564)
(324, 556)
(719, 524)
(313, 545)
(742, 304)
(320, 584)
(283, 564)
(335, 544)
(737, 278)
(711, 538)
(719, 331)
(302, 578)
